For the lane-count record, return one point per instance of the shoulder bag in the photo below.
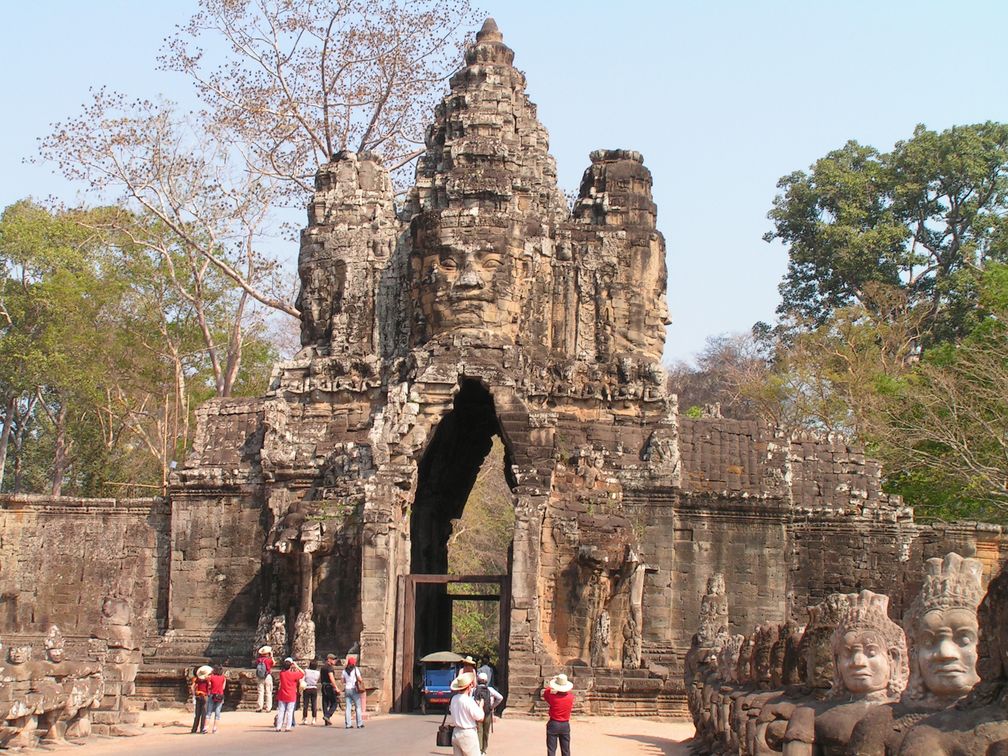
(444, 732)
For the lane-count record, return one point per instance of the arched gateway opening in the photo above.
(441, 584)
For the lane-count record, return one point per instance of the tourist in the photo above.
(466, 714)
(200, 688)
(309, 696)
(290, 674)
(330, 701)
(353, 686)
(218, 682)
(264, 678)
(468, 665)
(557, 694)
(486, 668)
(488, 698)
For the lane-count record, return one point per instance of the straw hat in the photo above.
(560, 684)
(204, 672)
(463, 681)
(266, 649)
(468, 660)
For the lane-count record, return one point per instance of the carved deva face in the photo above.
(19, 654)
(946, 648)
(55, 654)
(864, 662)
(466, 278)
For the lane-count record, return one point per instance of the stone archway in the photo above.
(446, 473)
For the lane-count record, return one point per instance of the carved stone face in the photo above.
(946, 648)
(864, 662)
(468, 279)
(55, 654)
(19, 654)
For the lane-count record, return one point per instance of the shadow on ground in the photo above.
(662, 746)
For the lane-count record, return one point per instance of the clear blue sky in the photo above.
(722, 98)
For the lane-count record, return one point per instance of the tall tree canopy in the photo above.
(922, 220)
(102, 358)
(894, 308)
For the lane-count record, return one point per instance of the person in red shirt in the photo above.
(218, 682)
(287, 694)
(200, 689)
(557, 694)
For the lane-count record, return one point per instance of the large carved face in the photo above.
(467, 278)
(946, 649)
(863, 662)
(19, 654)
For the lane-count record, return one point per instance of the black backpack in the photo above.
(482, 694)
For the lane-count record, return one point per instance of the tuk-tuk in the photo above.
(437, 671)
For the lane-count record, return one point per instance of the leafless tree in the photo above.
(284, 84)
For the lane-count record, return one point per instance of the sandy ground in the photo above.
(167, 733)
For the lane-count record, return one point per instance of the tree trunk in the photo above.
(5, 435)
(59, 454)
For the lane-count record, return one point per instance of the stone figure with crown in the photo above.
(942, 630)
(977, 724)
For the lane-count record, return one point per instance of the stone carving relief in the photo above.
(860, 689)
(48, 701)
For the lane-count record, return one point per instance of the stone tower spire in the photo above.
(486, 147)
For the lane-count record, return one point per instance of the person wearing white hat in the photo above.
(465, 713)
(489, 698)
(264, 678)
(200, 688)
(557, 694)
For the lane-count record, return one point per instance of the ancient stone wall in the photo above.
(59, 558)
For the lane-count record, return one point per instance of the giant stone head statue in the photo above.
(869, 651)
(942, 628)
(467, 272)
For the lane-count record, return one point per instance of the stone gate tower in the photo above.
(485, 306)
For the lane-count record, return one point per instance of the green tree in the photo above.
(102, 358)
(942, 429)
(922, 220)
(479, 545)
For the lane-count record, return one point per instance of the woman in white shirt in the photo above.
(351, 696)
(309, 696)
(465, 713)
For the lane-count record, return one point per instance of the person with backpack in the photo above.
(488, 698)
(264, 678)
